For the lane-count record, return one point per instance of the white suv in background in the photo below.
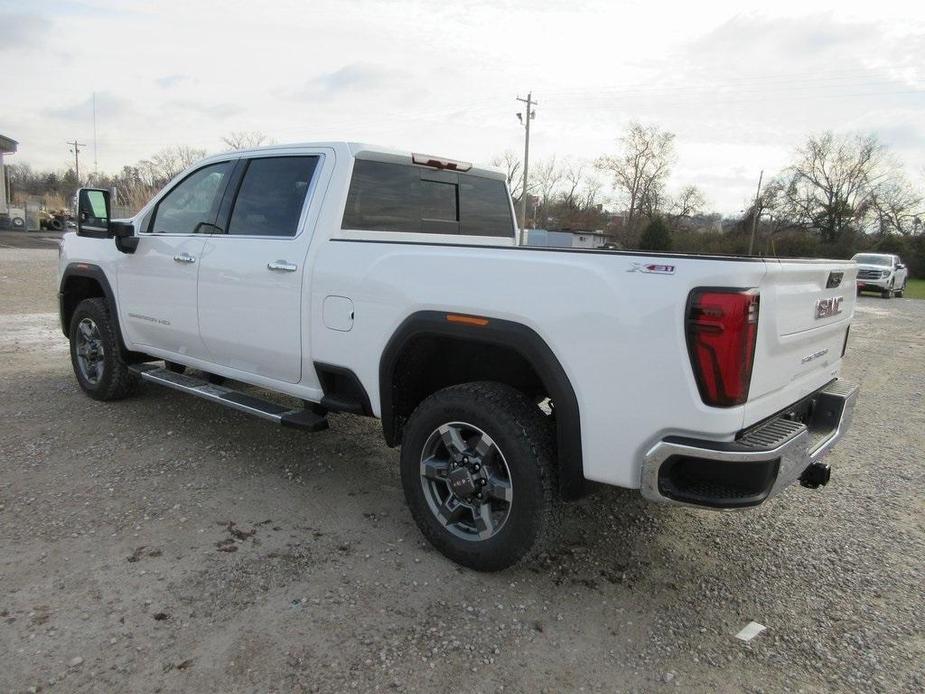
(881, 272)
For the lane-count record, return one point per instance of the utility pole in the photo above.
(751, 242)
(75, 150)
(530, 115)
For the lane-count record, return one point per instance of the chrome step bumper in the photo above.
(763, 461)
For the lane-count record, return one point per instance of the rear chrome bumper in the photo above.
(765, 460)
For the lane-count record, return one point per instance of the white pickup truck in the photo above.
(349, 278)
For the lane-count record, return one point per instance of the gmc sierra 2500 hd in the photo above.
(358, 279)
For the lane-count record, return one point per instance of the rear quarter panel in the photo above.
(618, 333)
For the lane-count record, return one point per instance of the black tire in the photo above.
(174, 367)
(18, 222)
(112, 380)
(55, 225)
(901, 291)
(523, 435)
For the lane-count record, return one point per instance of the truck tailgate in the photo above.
(806, 307)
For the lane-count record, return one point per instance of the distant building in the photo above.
(8, 216)
(565, 238)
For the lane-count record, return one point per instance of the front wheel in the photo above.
(477, 468)
(96, 353)
(902, 290)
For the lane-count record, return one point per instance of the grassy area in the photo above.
(915, 289)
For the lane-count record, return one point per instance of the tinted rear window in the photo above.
(400, 197)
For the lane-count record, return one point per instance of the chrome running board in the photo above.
(236, 400)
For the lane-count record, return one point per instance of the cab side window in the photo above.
(193, 202)
(270, 199)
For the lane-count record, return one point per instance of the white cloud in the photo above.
(21, 31)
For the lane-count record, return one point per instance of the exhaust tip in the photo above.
(816, 475)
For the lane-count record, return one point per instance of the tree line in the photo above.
(620, 193)
(841, 193)
(133, 186)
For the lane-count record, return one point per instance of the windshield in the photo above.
(871, 259)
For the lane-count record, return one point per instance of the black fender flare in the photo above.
(516, 336)
(94, 272)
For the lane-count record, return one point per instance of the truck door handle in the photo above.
(184, 258)
(282, 266)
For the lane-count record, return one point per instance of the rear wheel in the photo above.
(96, 354)
(477, 468)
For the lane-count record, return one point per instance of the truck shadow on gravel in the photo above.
(611, 538)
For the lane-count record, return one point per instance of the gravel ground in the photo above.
(165, 544)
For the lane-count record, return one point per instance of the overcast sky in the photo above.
(740, 87)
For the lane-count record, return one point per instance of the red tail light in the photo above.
(722, 325)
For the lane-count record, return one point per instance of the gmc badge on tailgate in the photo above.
(826, 308)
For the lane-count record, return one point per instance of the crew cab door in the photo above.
(251, 275)
(157, 283)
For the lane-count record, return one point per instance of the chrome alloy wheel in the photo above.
(90, 351)
(466, 481)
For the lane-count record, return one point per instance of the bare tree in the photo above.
(831, 185)
(773, 208)
(652, 201)
(640, 167)
(689, 201)
(513, 170)
(246, 139)
(590, 192)
(573, 177)
(547, 178)
(167, 163)
(573, 203)
(896, 206)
